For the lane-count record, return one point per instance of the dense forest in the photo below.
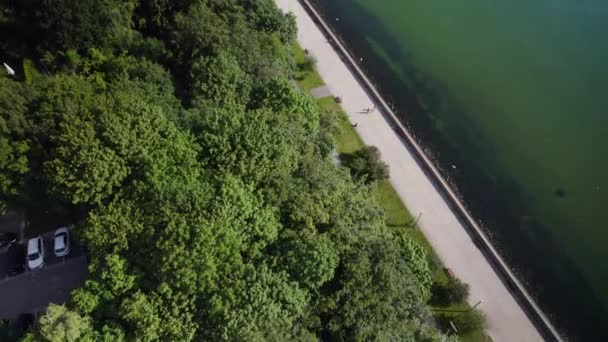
(199, 177)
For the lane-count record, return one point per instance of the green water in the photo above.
(513, 93)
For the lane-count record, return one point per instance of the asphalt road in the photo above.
(32, 291)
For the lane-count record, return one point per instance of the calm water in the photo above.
(514, 94)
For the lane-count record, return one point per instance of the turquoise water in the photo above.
(513, 93)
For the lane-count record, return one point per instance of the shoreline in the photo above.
(453, 233)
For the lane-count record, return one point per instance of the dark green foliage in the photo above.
(219, 81)
(62, 324)
(308, 257)
(365, 165)
(13, 146)
(470, 321)
(75, 24)
(201, 181)
(378, 292)
(310, 64)
(264, 15)
(156, 16)
(466, 322)
(454, 291)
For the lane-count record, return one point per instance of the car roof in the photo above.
(33, 243)
(59, 242)
(61, 230)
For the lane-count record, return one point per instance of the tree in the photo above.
(289, 29)
(237, 208)
(156, 16)
(317, 194)
(13, 165)
(219, 81)
(84, 170)
(465, 322)
(116, 138)
(61, 324)
(142, 317)
(267, 17)
(366, 165)
(256, 146)
(280, 96)
(377, 292)
(261, 305)
(454, 291)
(110, 228)
(202, 31)
(71, 24)
(310, 259)
(13, 145)
(470, 320)
(417, 259)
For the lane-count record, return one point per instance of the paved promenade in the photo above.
(506, 319)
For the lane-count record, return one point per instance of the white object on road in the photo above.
(9, 70)
(35, 253)
(62, 242)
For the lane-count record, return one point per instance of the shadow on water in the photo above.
(495, 200)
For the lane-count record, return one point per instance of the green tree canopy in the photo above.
(71, 24)
(199, 179)
(13, 146)
(61, 324)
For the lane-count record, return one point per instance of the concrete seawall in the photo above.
(534, 313)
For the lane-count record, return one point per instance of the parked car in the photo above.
(7, 239)
(62, 241)
(35, 253)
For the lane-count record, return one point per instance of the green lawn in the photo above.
(397, 215)
(306, 78)
(348, 140)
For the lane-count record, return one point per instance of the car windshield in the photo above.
(33, 256)
(60, 249)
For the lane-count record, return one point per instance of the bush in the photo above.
(471, 320)
(30, 72)
(365, 164)
(310, 64)
(455, 291)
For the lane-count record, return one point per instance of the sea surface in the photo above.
(510, 97)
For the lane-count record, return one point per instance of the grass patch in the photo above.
(348, 139)
(306, 75)
(397, 214)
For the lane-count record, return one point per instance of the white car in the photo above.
(62, 241)
(35, 253)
